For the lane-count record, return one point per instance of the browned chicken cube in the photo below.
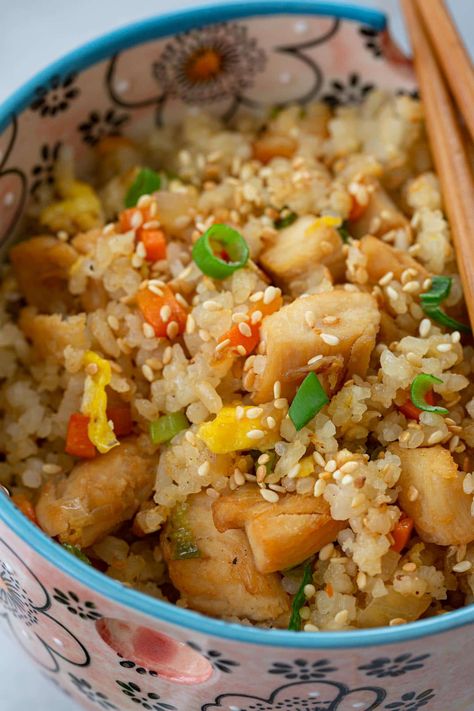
(223, 581)
(431, 493)
(281, 535)
(50, 333)
(41, 266)
(97, 496)
(380, 216)
(382, 258)
(299, 331)
(303, 247)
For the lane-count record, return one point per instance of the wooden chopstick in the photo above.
(452, 56)
(448, 151)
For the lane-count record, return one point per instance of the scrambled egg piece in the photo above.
(228, 433)
(94, 402)
(79, 209)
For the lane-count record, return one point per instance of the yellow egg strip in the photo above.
(94, 402)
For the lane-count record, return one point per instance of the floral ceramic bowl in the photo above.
(111, 647)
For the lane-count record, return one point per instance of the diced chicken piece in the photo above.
(431, 493)
(380, 216)
(41, 266)
(97, 496)
(301, 249)
(50, 334)
(382, 258)
(175, 211)
(293, 335)
(280, 535)
(273, 145)
(223, 581)
(313, 281)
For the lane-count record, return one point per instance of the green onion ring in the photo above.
(227, 239)
(168, 426)
(420, 386)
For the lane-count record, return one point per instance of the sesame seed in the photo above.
(190, 437)
(258, 296)
(412, 493)
(190, 324)
(148, 330)
(263, 458)
(331, 466)
(172, 329)
(245, 329)
(256, 317)
(239, 478)
(271, 422)
(309, 318)
(309, 590)
(409, 567)
(349, 467)
(154, 289)
(330, 339)
(280, 403)
(211, 305)
(51, 468)
(411, 287)
(270, 496)
(223, 344)
(278, 488)
(361, 580)
(294, 471)
(92, 369)
(261, 473)
(137, 220)
(444, 347)
(167, 355)
(144, 201)
(310, 628)
(271, 292)
(425, 327)
(255, 434)
(319, 459)
(241, 350)
(239, 412)
(212, 493)
(386, 279)
(468, 484)
(238, 317)
(397, 621)
(204, 335)
(462, 567)
(148, 373)
(140, 250)
(319, 487)
(455, 337)
(203, 469)
(341, 617)
(427, 284)
(181, 300)
(254, 412)
(109, 229)
(165, 313)
(392, 293)
(314, 359)
(347, 480)
(276, 389)
(326, 551)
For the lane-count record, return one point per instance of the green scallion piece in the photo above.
(344, 232)
(75, 551)
(146, 182)
(308, 401)
(166, 427)
(431, 304)
(220, 251)
(420, 387)
(300, 598)
(184, 546)
(285, 221)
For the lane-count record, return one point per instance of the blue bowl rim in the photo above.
(77, 60)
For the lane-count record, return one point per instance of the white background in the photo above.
(32, 34)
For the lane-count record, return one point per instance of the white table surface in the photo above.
(32, 34)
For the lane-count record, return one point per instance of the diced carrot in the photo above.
(412, 411)
(151, 305)
(112, 143)
(154, 242)
(401, 533)
(357, 210)
(78, 443)
(236, 338)
(121, 416)
(273, 146)
(25, 506)
(329, 590)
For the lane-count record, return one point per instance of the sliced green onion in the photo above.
(146, 182)
(420, 387)
(181, 536)
(166, 427)
(344, 232)
(308, 401)
(220, 251)
(74, 550)
(286, 220)
(300, 598)
(431, 300)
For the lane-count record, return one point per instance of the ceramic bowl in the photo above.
(108, 646)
